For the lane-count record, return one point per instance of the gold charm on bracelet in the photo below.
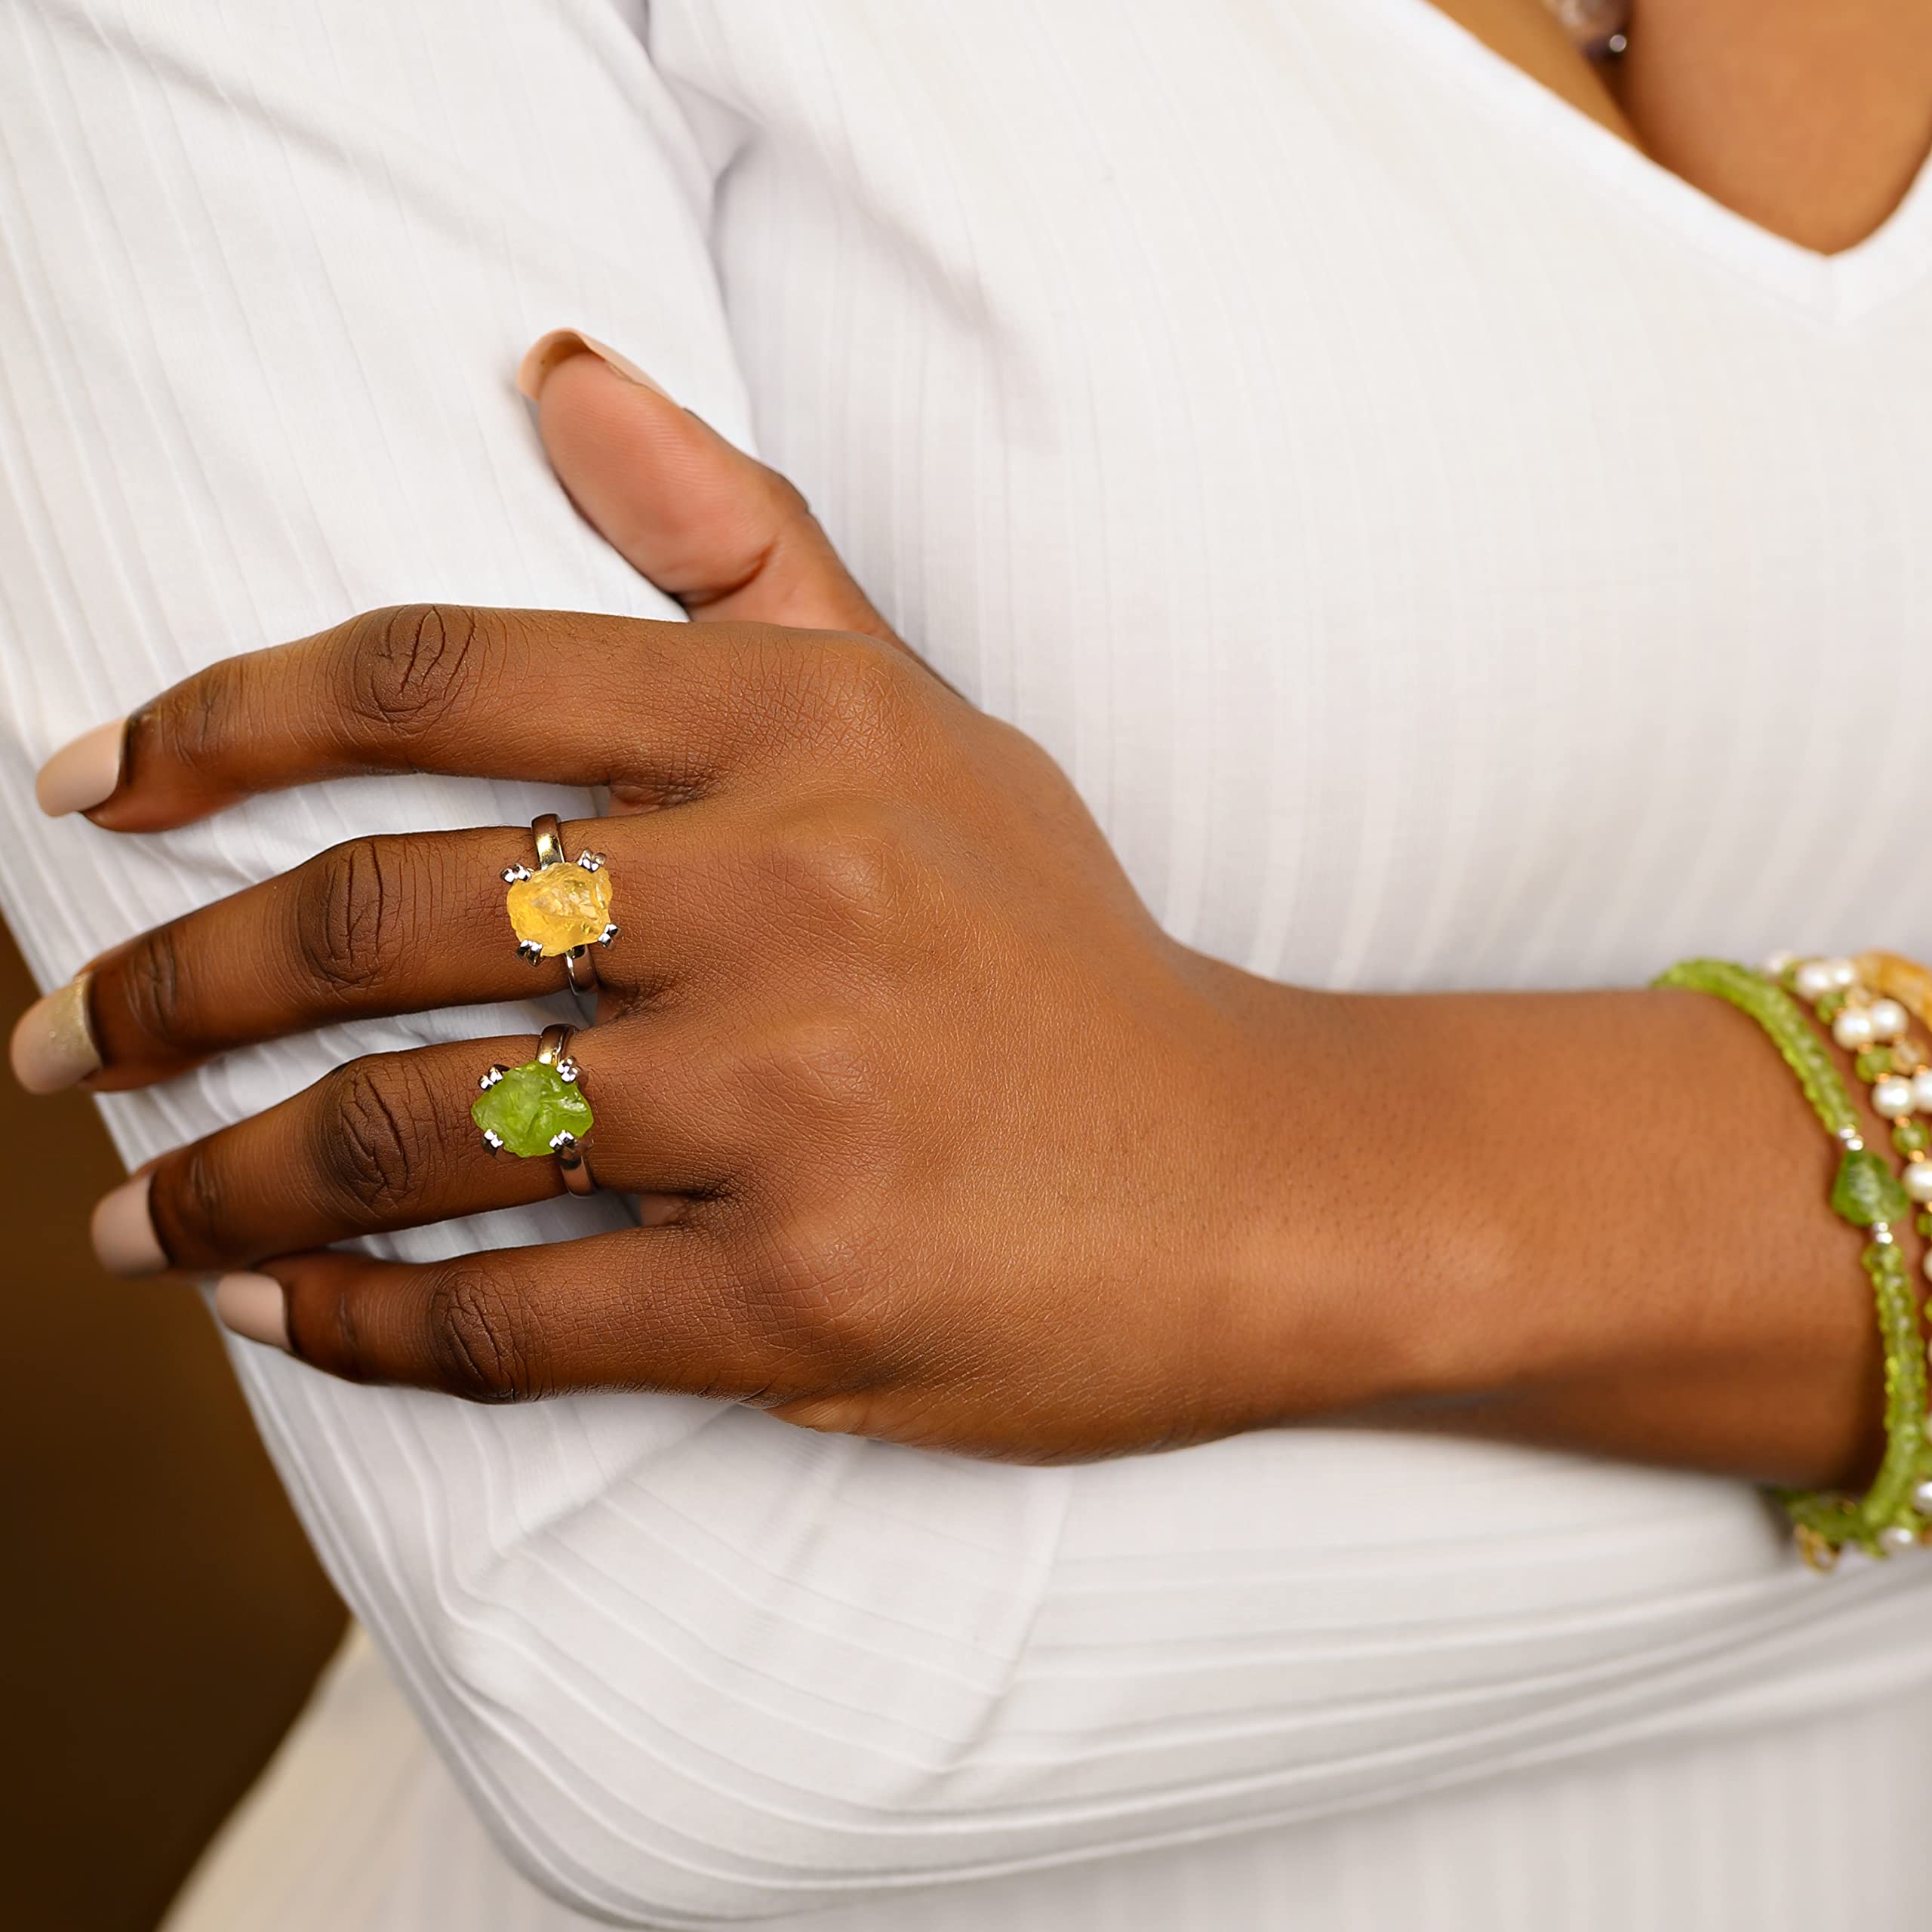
(1900, 979)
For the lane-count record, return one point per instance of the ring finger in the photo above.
(380, 925)
(388, 1141)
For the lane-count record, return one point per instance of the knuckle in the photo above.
(349, 916)
(867, 696)
(787, 498)
(188, 1202)
(482, 1346)
(813, 1299)
(408, 667)
(827, 1064)
(325, 1329)
(148, 983)
(853, 864)
(371, 1154)
(189, 724)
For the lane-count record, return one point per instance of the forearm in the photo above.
(1597, 1221)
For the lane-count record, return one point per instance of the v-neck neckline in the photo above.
(1839, 288)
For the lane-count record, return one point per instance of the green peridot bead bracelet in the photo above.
(1892, 1515)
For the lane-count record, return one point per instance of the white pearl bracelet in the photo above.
(1851, 997)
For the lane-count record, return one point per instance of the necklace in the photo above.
(1602, 28)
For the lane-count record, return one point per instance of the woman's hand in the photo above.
(939, 1137)
(956, 1146)
(943, 1138)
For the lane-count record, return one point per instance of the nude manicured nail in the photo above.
(123, 1230)
(559, 345)
(80, 776)
(53, 1041)
(254, 1307)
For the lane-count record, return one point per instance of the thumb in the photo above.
(706, 523)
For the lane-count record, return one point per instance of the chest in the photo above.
(1443, 547)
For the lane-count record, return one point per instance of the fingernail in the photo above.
(80, 776)
(559, 345)
(123, 1230)
(254, 1307)
(53, 1045)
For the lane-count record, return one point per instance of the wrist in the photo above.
(1316, 1294)
(1593, 1220)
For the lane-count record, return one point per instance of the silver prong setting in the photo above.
(515, 874)
(563, 1142)
(591, 861)
(530, 952)
(609, 932)
(490, 1079)
(567, 1070)
(492, 1140)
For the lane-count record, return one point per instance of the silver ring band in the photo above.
(579, 968)
(553, 1050)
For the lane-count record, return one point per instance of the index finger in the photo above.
(655, 711)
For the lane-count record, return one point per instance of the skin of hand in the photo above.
(939, 1138)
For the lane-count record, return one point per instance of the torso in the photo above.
(1446, 548)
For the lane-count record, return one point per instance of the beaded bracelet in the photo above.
(1896, 1511)
(1903, 979)
(1869, 1020)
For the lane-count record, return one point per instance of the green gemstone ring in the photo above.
(538, 1109)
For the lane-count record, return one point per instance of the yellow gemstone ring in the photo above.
(562, 909)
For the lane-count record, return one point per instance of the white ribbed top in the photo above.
(1445, 549)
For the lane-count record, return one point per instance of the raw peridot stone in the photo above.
(1909, 1137)
(1874, 1064)
(1866, 1190)
(529, 1107)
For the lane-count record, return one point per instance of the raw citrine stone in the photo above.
(561, 908)
(530, 1106)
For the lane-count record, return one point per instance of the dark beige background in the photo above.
(161, 1616)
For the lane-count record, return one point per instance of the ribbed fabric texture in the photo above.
(1444, 549)
(357, 1825)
